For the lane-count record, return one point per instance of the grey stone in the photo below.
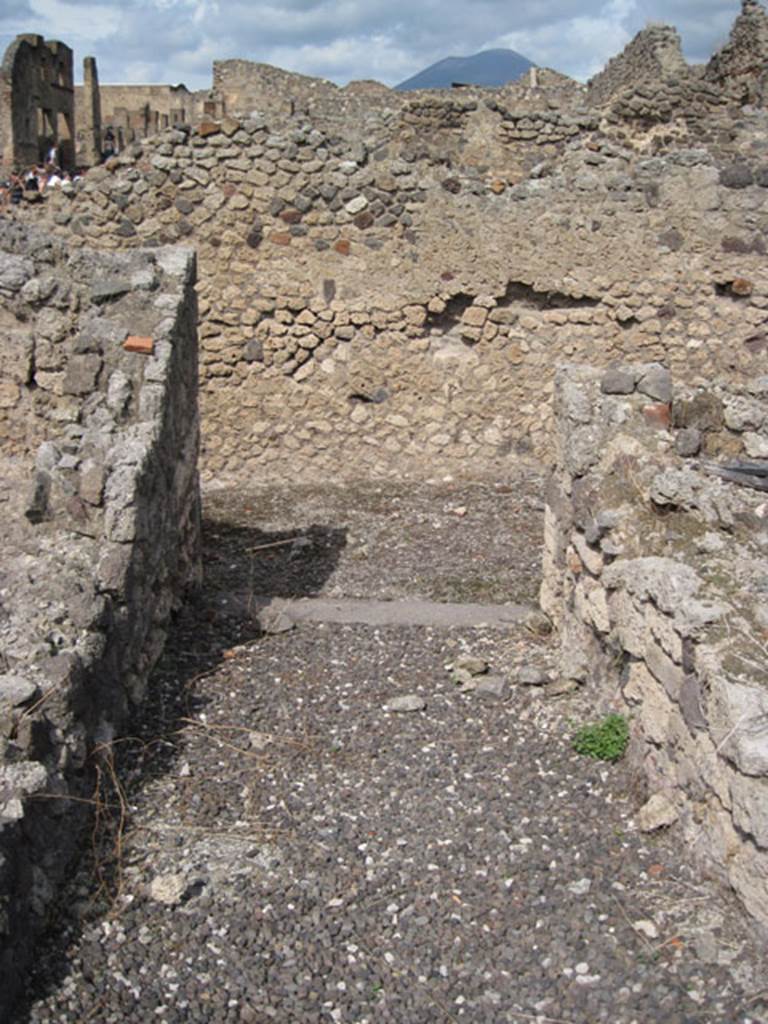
(168, 889)
(48, 455)
(618, 381)
(530, 675)
(750, 807)
(669, 584)
(688, 442)
(744, 414)
(704, 411)
(92, 477)
(82, 373)
(679, 488)
(583, 446)
(736, 175)
(473, 666)
(406, 702)
(656, 383)
(537, 622)
(119, 392)
(104, 291)
(738, 716)
(463, 679)
(16, 689)
(691, 704)
(17, 781)
(664, 668)
(275, 620)
(98, 333)
(646, 928)
(658, 812)
(574, 403)
(579, 888)
(356, 205)
(491, 687)
(15, 271)
(176, 261)
(254, 351)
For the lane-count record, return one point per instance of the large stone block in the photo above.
(738, 716)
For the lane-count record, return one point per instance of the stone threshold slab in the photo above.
(366, 611)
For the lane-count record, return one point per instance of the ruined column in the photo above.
(91, 145)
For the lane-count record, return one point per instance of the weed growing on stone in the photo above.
(605, 740)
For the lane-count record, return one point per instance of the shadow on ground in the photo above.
(294, 563)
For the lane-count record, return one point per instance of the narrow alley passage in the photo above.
(280, 843)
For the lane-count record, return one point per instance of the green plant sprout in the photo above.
(605, 741)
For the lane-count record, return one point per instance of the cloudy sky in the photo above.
(176, 41)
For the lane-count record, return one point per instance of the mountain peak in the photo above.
(490, 68)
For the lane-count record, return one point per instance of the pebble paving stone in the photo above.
(295, 853)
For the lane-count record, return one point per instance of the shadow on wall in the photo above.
(238, 560)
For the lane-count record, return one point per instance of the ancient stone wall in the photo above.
(545, 127)
(136, 111)
(243, 87)
(691, 99)
(374, 311)
(655, 574)
(740, 66)
(99, 485)
(543, 88)
(88, 116)
(652, 55)
(36, 102)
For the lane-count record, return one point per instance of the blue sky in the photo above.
(176, 41)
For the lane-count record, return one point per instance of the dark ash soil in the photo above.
(292, 852)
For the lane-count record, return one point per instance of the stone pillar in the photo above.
(91, 151)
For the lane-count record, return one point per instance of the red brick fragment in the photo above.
(343, 247)
(291, 216)
(280, 238)
(658, 415)
(137, 343)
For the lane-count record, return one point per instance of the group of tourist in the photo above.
(32, 185)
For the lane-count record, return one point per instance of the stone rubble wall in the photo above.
(543, 89)
(690, 98)
(740, 66)
(98, 476)
(655, 574)
(545, 127)
(653, 54)
(379, 308)
(242, 88)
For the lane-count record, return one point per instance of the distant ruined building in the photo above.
(37, 108)
(136, 111)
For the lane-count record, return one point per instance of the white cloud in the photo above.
(578, 46)
(177, 40)
(75, 22)
(376, 57)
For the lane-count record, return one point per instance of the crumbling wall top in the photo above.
(654, 53)
(740, 66)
